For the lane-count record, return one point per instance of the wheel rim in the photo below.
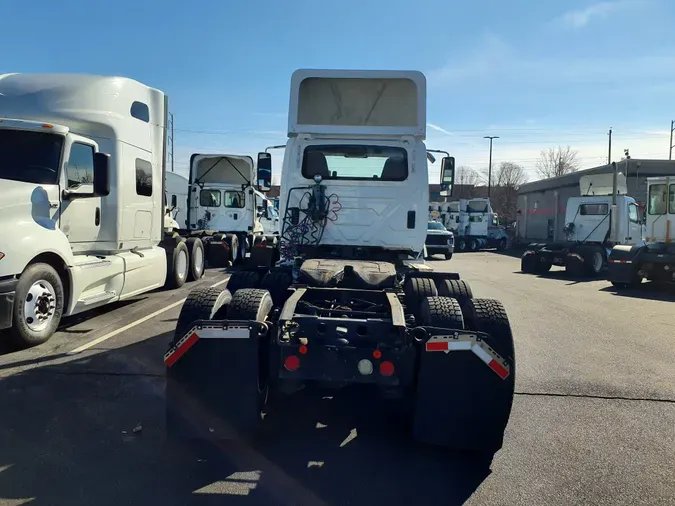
(597, 262)
(182, 264)
(198, 260)
(39, 306)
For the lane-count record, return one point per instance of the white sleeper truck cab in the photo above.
(223, 206)
(351, 300)
(82, 161)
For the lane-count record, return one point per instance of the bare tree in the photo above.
(506, 181)
(554, 162)
(466, 179)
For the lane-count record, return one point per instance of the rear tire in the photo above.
(473, 245)
(38, 306)
(203, 303)
(417, 289)
(195, 248)
(178, 262)
(232, 242)
(593, 262)
(242, 279)
(444, 312)
(455, 288)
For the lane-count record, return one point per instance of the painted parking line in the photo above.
(133, 324)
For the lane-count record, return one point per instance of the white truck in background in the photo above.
(588, 229)
(474, 223)
(225, 209)
(82, 208)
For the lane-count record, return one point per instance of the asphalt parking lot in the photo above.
(81, 417)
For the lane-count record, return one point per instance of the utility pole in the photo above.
(490, 164)
(171, 117)
(670, 151)
(609, 154)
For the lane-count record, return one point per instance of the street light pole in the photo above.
(490, 164)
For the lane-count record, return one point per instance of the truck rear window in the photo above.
(593, 209)
(657, 199)
(209, 198)
(354, 162)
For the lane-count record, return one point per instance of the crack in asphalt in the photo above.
(596, 396)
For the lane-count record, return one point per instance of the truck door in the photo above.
(80, 217)
(634, 225)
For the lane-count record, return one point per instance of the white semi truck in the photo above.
(82, 207)
(351, 300)
(654, 259)
(225, 210)
(588, 229)
(474, 223)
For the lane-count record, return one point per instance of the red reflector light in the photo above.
(377, 354)
(386, 368)
(292, 363)
(302, 349)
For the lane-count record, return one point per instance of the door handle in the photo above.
(97, 217)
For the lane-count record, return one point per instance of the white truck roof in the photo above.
(601, 184)
(221, 169)
(362, 102)
(89, 104)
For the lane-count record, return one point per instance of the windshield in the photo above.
(355, 162)
(434, 225)
(30, 157)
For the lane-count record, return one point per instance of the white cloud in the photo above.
(582, 17)
(439, 129)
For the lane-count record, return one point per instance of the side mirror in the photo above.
(101, 174)
(264, 172)
(447, 175)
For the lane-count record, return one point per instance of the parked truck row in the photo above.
(473, 221)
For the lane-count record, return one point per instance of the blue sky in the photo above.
(535, 73)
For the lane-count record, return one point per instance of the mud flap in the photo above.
(212, 381)
(464, 392)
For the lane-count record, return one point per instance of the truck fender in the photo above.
(623, 253)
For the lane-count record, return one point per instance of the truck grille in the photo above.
(437, 240)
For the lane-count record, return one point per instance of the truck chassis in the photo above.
(420, 337)
(578, 259)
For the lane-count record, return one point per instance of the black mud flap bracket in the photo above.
(212, 380)
(464, 391)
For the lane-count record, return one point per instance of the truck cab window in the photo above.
(30, 157)
(633, 214)
(174, 201)
(209, 198)
(80, 168)
(234, 199)
(593, 209)
(657, 199)
(671, 199)
(143, 178)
